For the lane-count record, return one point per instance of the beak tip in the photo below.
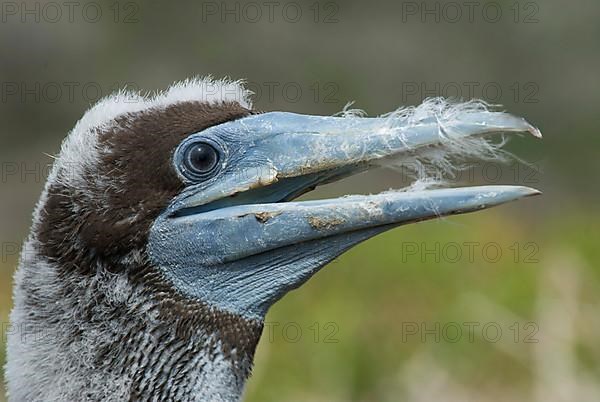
(523, 192)
(534, 131)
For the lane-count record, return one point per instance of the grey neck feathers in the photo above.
(102, 337)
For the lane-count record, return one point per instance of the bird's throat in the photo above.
(108, 338)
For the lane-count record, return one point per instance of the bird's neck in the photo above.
(104, 337)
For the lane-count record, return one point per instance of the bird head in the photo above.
(169, 226)
(197, 192)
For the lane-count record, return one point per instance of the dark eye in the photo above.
(200, 159)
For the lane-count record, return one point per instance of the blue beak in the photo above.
(240, 243)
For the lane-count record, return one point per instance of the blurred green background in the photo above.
(496, 306)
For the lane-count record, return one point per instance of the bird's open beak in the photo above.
(247, 214)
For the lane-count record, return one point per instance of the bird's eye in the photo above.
(200, 160)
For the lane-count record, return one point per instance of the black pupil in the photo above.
(201, 158)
